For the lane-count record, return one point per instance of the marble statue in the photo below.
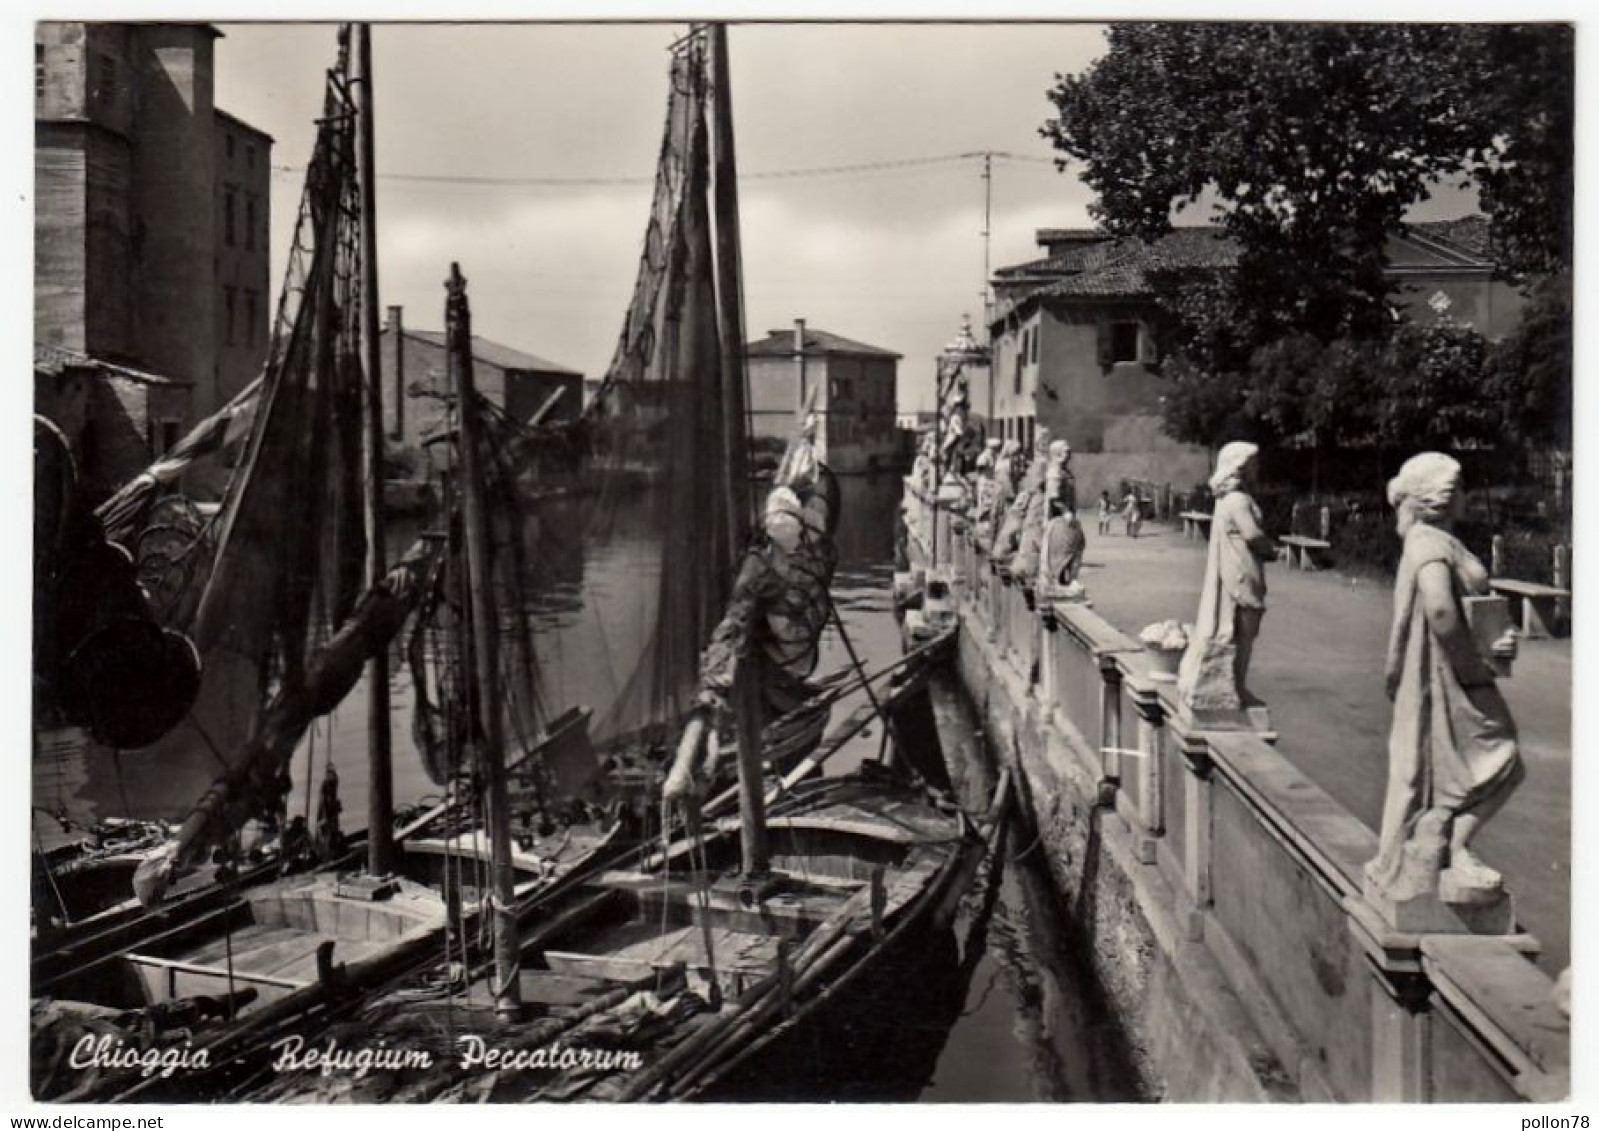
(956, 405)
(1030, 534)
(1007, 475)
(1453, 756)
(1062, 556)
(923, 471)
(984, 491)
(798, 470)
(1058, 480)
(1212, 681)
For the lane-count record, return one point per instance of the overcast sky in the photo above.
(892, 257)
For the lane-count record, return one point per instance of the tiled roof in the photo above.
(1462, 242)
(1118, 281)
(501, 357)
(1047, 236)
(1080, 257)
(780, 343)
(55, 359)
(1469, 233)
(1120, 268)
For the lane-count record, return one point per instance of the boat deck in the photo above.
(278, 939)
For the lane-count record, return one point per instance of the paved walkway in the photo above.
(1318, 665)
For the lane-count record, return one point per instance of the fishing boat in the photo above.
(684, 970)
(211, 934)
(505, 904)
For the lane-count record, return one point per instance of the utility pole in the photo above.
(380, 790)
(988, 212)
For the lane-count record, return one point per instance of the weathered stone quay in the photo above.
(1216, 888)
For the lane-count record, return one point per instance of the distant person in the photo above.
(1132, 513)
(1106, 512)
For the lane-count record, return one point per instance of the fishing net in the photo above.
(265, 582)
(627, 574)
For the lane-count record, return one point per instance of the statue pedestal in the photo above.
(1257, 719)
(1483, 913)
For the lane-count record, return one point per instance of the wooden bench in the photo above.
(1538, 604)
(1297, 549)
(1196, 524)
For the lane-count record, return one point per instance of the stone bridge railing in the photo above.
(1224, 846)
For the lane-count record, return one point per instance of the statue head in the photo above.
(784, 518)
(1233, 464)
(993, 444)
(1427, 489)
(985, 463)
(1060, 453)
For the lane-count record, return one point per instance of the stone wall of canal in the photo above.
(1214, 889)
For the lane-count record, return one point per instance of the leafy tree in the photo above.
(1201, 407)
(1434, 381)
(1527, 98)
(1314, 140)
(1529, 373)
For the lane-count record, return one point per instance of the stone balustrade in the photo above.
(1221, 886)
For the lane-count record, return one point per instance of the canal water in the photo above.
(999, 1011)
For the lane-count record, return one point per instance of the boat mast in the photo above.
(730, 298)
(730, 315)
(485, 644)
(380, 770)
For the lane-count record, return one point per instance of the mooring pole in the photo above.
(485, 647)
(746, 694)
(730, 298)
(380, 771)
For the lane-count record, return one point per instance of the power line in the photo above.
(766, 175)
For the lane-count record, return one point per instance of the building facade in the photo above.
(850, 386)
(1073, 348)
(416, 391)
(151, 224)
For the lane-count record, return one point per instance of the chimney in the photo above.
(799, 360)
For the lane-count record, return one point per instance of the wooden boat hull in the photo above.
(700, 974)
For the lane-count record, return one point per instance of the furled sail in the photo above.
(660, 412)
(277, 622)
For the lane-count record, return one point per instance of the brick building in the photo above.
(1072, 346)
(151, 223)
(415, 381)
(854, 387)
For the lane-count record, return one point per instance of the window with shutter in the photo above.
(1123, 342)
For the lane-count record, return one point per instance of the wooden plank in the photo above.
(1527, 588)
(630, 962)
(547, 988)
(152, 962)
(734, 950)
(245, 940)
